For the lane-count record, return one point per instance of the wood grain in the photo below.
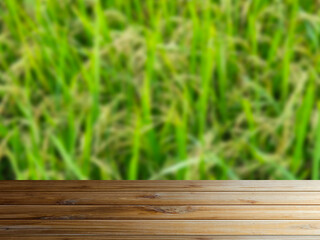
(162, 227)
(172, 210)
(163, 186)
(158, 198)
(147, 212)
(64, 237)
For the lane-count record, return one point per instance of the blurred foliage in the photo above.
(148, 89)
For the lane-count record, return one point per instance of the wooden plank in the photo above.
(65, 237)
(146, 212)
(157, 227)
(173, 210)
(158, 198)
(163, 186)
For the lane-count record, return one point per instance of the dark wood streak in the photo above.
(171, 210)
(67, 202)
(150, 196)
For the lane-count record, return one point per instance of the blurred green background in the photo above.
(159, 89)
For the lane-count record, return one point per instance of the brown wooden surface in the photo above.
(173, 210)
(147, 212)
(163, 227)
(159, 198)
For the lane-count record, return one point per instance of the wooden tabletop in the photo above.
(173, 210)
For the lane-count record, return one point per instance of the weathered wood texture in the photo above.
(173, 210)
(147, 212)
(160, 198)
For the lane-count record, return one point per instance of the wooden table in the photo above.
(173, 210)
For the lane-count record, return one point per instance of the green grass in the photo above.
(148, 89)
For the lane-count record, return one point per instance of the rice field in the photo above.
(159, 89)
